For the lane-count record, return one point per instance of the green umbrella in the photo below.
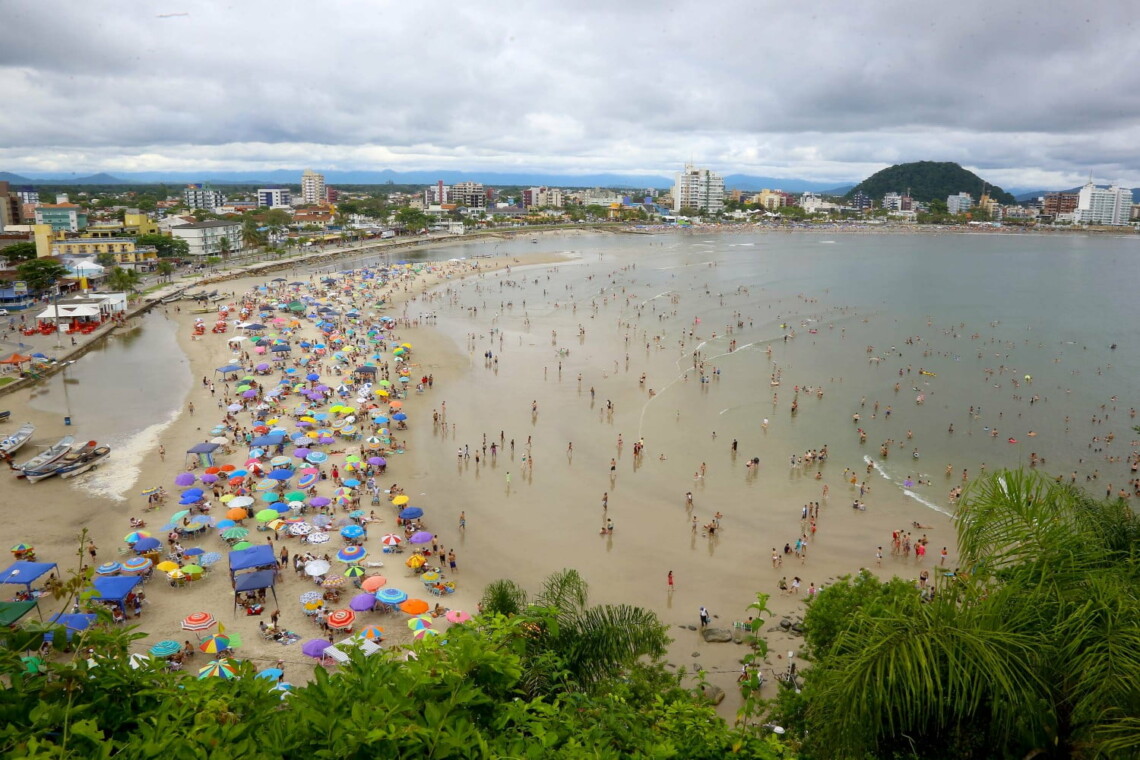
(266, 515)
(193, 569)
(294, 496)
(179, 515)
(242, 545)
(234, 533)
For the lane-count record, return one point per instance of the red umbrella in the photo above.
(198, 621)
(340, 619)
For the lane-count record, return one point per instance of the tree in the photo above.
(251, 237)
(127, 280)
(413, 219)
(41, 274)
(224, 247)
(105, 259)
(165, 269)
(1033, 650)
(18, 252)
(165, 245)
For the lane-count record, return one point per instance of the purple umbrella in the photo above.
(209, 477)
(322, 388)
(261, 367)
(362, 602)
(184, 478)
(325, 439)
(251, 393)
(301, 453)
(421, 537)
(303, 423)
(320, 501)
(315, 648)
(377, 461)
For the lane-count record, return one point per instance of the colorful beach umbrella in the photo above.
(218, 669)
(352, 554)
(215, 644)
(338, 619)
(198, 621)
(391, 595)
(372, 583)
(165, 648)
(457, 616)
(372, 633)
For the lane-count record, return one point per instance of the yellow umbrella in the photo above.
(401, 500)
(166, 566)
(226, 499)
(308, 419)
(416, 560)
(381, 392)
(275, 524)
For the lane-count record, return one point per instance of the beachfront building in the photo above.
(898, 202)
(62, 217)
(127, 254)
(863, 202)
(1099, 205)
(1059, 203)
(274, 197)
(770, 200)
(313, 188)
(206, 238)
(959, 204)
(10, 206)
(542, 196)
(203, 196)
(469, 195)
(698, 188)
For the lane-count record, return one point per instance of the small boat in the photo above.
(5, 415)
(10, 444)
(172, 298)
(74, 456)
(90, 462)
(48, 455)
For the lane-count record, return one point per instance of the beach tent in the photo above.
(74, 623)
(204, 452)
(273, 439)
(280, 348)
(11, 612)
(24, 573)
(255, 581)
(228, 369)
(254, 557)
(114, 588)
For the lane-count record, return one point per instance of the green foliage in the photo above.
(413, 219)
(41, 274)
(166, 246)
(503, 597)
(127, 280)
(18, 252)
(1032, 648)
(928, 181)
(164, 269)
(463, 698)
(105, 259)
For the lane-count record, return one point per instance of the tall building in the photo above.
(274, 197)
(62, 217)
(203, 196)
(862, 201)
(469, 195)
(9, 206)
(959, 204)
(542, 196)
(312, 188)
(1060, 203)
(698, 188)
(1098, 205)
(205, 238)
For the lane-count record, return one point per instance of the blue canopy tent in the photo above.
(204, 452)
(228, 369)
(25, 573)
(115, 588)
(74, 623)
(259, 564)
(280, 348)
(273, 439)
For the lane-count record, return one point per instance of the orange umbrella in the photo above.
(414, 606)
(373, 582)
(237, 513)
(395, 404)
(16, 359)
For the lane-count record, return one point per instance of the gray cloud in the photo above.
(1024, 92)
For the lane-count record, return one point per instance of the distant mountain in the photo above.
(427, 177)
(929, 180)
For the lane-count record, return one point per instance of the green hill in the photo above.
(927, 181)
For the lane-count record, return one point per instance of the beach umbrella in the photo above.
(317, 567)
(241, 501)
(352, 531)
(193, 570)
(418, 622)
(415, 561)
(351, 553)
(209, 558)
(421, 537)
(372, 633)
(391, 539)
(357, 513)
(184, 478)
(280, 475)
(214, 644)
(341, 619)
(457, 616)
(165, 648)
(218, 669)
(362, 602)
(391, 595)
(241, 545)
(425, 633)
(223, 524)
(310, 596)
(335, 581)
(414, 606)
(411, 513)
(192, 552)
(320, 501)
(201, 520)
(351, 483)
(198, 621)
(400, 416)
(267, 485)
(147, 544)
(166, 566)
(301, 453)
(354, 571)
(176, 574)
(137, 564)
(317, 457)
(268, 496)
(227, 468)
(108, 568)
(294, 496)
(306, 480)
(266, 515)
(318, 538)
(430, 577)
(300, 529)
(237, 513)
(315, 648)
(377, 461)
(135, 535)
(191, 493)
(372, 583)
(179, 515)
(271, 674)
(210, 478)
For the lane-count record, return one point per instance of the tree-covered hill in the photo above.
(927, 181)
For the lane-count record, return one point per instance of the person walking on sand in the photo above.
(191, 407)
(669, 581)
(705, 617)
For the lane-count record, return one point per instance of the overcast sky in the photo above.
(1029, 94)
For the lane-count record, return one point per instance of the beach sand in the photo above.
(549, 514)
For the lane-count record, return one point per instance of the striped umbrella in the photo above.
(419, 621)
(108, 568)
(391, 595)
(425, 633)
(352, 554)
(165, 648)
(340, 619)
(198, 621)
(214, 644)
(354, 571)
(372, 632)
(135, 535)
(137, 564)
(218, 669)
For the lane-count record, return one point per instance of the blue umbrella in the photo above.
(147, 544)
(399, 416)
(192, 492)
(280, 507)
(280, 475)
(166, 648)
(222, 525)
(317, 457)
(202, 519)
(194, 551)
(208, 559)
(352, 531)
(312, 377)
(411, 513)
(351, 483)
(271, 673)
(391, 595)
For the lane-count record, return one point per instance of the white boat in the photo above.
(48, 455)
(76, 455)
(10, 444)
(90, 462)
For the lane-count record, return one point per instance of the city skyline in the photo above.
(1028, 96)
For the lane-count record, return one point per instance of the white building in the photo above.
(814, 203)
(469, 194)
(698, 188)
(959, 204)
(199, 196)
(205, 238)
(313, 188)
(1098, 205)
(542, 196)
(274, 197)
